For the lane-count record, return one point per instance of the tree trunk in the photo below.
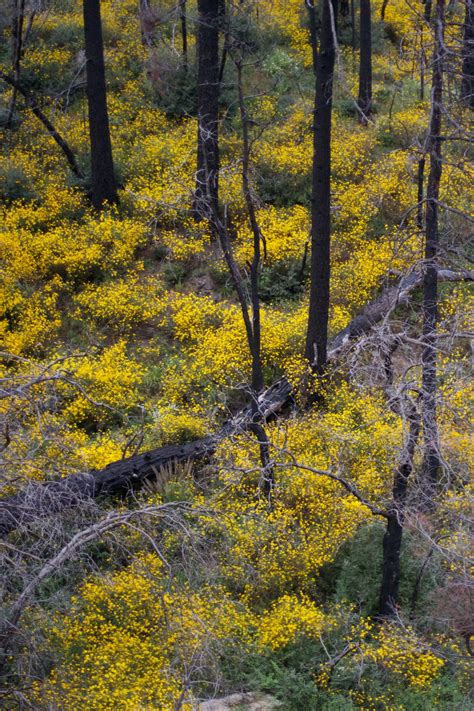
(40, 500)
(364, 100)
(18, 14)
(392, 540)
(207, 174)
(184, 34)
(255, 346)
(431, 462)
(103, 184)
(467, 83)
(317, 334)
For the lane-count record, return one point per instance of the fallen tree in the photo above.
(47, 499)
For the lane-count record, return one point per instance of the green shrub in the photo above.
(356, 573)
(14, 183)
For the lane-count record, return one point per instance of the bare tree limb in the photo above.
(48, 499)
(55, 135)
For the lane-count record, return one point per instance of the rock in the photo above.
(240, 702)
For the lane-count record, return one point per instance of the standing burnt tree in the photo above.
(207, 173)
(431, 462)
(184, 33)
(467, 83)
(364, 101)
(17, 40)
(396, 513)
(103, 183)
(317, 334)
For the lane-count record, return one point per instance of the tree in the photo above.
(317, 333)
(431, 462)
(207, 173)
(392, 540)
(184, 33)
(396, 513)
(18, 13)
(103, 183)
(55, 135)
(467, 83)
(364, 100)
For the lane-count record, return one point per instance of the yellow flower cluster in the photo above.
(288, 617)
(102, 385)
(401, 652)
(132, 637)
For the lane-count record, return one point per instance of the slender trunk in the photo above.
(431, 462)
(428, 8)
(313, 32)
(184, 34)
(392, 541)
(353, 28)
(223, 25)
(467, 83)
(383, 10)
(207, 173)
(103, 184)
(317, 334)
(420, 190)
(364, 101)
(255, 346)
(55, 135)
(18, 14)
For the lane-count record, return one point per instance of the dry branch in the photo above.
(40, 500)
(55, 135)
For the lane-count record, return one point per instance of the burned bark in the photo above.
(432, 462)
(206, 201)
(364, 101)
(41, 500)
(392, 541)
(467, 82)
(317, 333)
(103, 183)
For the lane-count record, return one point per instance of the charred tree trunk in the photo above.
(207, 174)
(184, 33)
(420, 179)
(467, 82)
(18, 14)
(431, 461)
(353, 28)
(392, 541)
(255, 346)
(48, 499)
(103, 183)
(364, 100)
(317, 334)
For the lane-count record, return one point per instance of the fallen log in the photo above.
(47, 499)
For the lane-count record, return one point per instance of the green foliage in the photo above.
(283, 281)
(288, 675)
(14, 183)
(356, 573)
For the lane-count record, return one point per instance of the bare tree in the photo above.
(207, 173)
(18, 15)
(317, 333)
(430, 284)
(364, 100)
(103, 182)
(467, 83)
(184, 33)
